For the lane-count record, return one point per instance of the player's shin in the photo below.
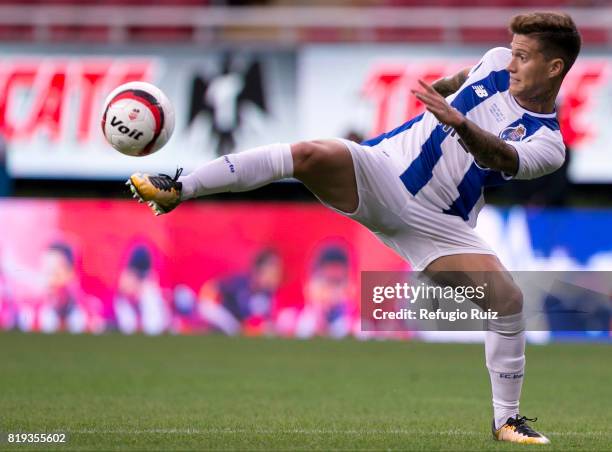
(505, 358)
(239, 172)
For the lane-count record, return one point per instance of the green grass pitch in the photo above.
(216, 393)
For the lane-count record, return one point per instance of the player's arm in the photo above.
(488, 150)
(448, 85)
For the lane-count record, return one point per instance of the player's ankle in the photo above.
(502, 417)
(187, 189)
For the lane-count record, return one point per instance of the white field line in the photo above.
(230, 431)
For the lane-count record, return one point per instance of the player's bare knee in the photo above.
(303, 155)
(310, 157)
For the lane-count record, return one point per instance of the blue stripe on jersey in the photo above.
(551, 123)
(494, 178)
(495, 82)
(420, 171)
(407, 125)
(470, 188)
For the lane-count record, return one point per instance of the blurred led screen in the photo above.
(275, 268)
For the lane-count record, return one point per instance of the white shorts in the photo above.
(416, 233)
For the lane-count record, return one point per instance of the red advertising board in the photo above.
(91, 266)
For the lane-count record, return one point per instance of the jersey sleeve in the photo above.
(495, 59)
(540, 154)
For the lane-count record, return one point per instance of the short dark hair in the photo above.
(556, 33)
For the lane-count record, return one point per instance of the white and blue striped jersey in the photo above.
(440, 174)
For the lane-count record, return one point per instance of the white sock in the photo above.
(239, 172)
(505, 357)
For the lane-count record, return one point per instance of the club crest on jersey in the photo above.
(513, 133)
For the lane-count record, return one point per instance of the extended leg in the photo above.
(325, 167)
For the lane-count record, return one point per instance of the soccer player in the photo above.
(419, 187)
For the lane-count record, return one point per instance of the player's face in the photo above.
(529, 69)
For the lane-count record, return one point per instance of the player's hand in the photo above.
(437, 105)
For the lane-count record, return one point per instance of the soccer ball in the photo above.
(138, 119)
